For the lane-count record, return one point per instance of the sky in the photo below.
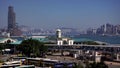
(50, 14)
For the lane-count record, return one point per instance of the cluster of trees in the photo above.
(32, 47)
(27, 48)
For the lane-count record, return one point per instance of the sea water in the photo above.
(107, 39)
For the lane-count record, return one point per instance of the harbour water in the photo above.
(107, 39)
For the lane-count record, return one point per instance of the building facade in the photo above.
(11, 19)
(12, 27)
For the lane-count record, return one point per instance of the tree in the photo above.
(101, 65)
(80, 65)
(31, 46)
(1, 47)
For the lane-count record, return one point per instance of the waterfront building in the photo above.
(117, 31)
(63, 40)
(58, 33)
(94, 31)
(7, 40)
(90, 31)
(108, 29)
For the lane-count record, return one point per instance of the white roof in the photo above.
(6, 39)
(58, 30)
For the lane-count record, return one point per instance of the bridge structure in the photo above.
(79, 48)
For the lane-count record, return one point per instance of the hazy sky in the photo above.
(51, 14)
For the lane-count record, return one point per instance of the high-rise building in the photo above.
(108, 29)
(12, 27)
(11, 19)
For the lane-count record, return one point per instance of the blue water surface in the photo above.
(107, 39)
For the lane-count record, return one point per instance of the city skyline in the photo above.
(55, 14)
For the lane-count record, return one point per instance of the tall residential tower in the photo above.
(11, 19)
(12, 28)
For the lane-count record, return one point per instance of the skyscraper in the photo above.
(12, 28)
(11, 19)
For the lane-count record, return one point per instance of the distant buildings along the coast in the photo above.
(107, 29)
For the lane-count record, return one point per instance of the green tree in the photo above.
(31, 46)
(1, 47)
(101, 65)
(80, 65)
